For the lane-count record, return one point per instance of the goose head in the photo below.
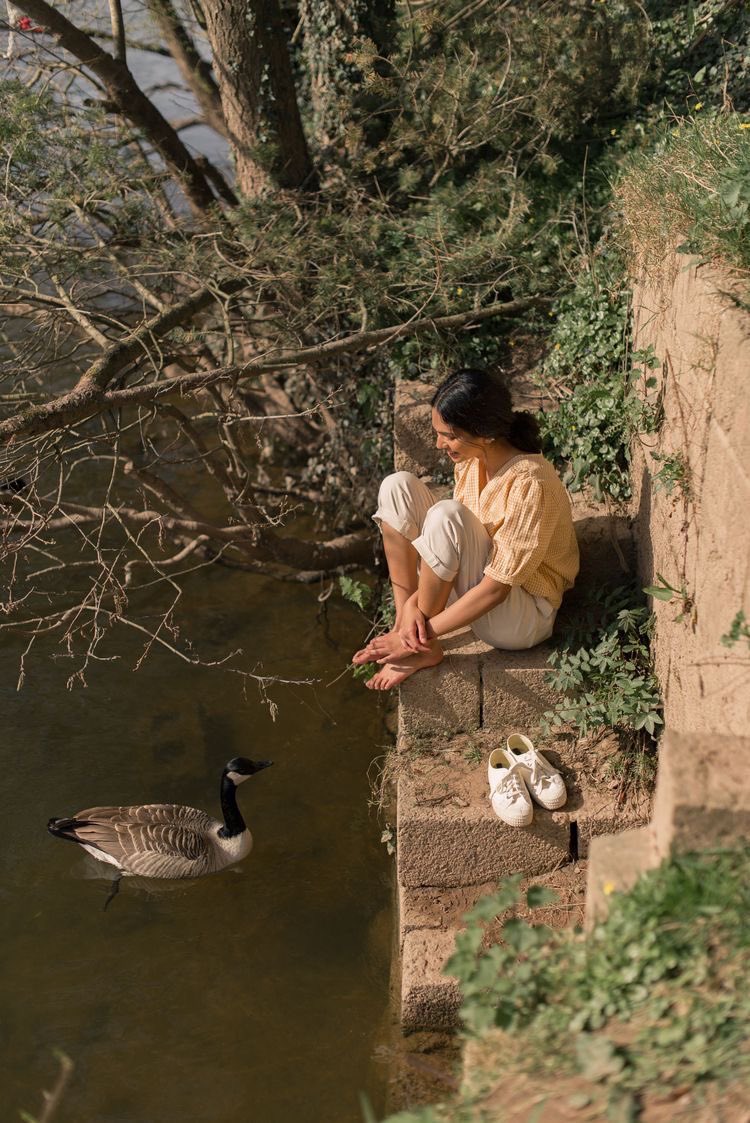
(240, 769)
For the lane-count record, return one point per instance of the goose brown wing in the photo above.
(153, 840)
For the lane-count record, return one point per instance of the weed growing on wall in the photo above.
(672, 474)
(692, 190)
(739, 629)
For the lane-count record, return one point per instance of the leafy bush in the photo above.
(654, 997)
(590, 372)
(604, 669)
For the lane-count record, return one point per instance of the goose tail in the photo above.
(66, 828)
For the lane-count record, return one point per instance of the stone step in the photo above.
(430, 918)
(430, 906)
(429, 999)
(477, 686)
(448, 834)
(444, 700)
(413, 436)
(515, 691)
(616, 861)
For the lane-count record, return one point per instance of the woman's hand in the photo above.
(414, 627)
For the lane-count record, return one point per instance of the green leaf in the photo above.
(538, 895)
(658, 592)
(597, 1057)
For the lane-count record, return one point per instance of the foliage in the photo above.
(589, 371)
(603, 668)
(738, 629)
(672, 474)
(653, 997)
(356, 592)
(664, 591)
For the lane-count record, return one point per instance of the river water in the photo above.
(256, 995)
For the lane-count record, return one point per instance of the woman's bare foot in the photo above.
(393, 674)
(382, 647)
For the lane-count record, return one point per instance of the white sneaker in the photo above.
(543, 781)
(508, 794)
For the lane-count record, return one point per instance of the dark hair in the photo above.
(480, 403)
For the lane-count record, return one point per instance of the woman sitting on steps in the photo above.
(498, 556)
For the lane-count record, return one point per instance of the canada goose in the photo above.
(166, 839)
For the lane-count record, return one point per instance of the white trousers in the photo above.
(452, 541)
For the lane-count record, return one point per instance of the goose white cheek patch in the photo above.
(237, 777)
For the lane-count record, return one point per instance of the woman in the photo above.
(498, 556)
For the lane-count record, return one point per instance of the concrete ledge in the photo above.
(514, 689)
(449, 836)
(702, 796)
(615, 864)
(429, 999)
(446, 699)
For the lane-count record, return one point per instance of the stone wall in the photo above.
(697, 537)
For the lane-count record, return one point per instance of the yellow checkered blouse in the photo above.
(526, 512)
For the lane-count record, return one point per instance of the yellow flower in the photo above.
(613, 132)
(459, 291)
(746, 125)
(698, 105)
(557, 346)
(609, 888)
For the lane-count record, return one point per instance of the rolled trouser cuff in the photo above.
(428, 555)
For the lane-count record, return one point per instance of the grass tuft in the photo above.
(692, 191)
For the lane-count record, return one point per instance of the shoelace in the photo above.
(512, 784)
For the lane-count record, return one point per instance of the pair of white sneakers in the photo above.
(518, 774)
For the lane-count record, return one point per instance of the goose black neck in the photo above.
(234, 824)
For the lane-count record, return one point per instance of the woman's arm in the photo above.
(475, 603)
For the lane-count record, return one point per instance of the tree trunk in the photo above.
(332, 29)
(254, 74)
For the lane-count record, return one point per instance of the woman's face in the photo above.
(457, 444)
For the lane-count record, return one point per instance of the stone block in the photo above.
(431, 907)
(615, 864)
(702, 796)
(448, 834)
(597, 810)
(429, 999)
(413, 435)
(514, 690)
(446, 699)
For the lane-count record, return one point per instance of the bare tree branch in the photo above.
(87, 399)
(128, 98)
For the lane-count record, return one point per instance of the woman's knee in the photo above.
(398, 483)
(447, 512)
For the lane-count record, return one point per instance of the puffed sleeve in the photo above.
(520, 545)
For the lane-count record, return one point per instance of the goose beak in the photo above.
(261, 764)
